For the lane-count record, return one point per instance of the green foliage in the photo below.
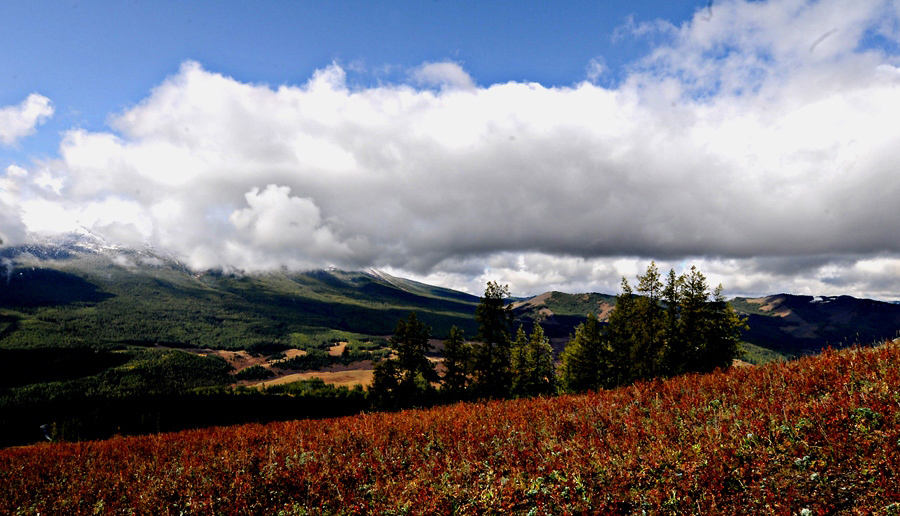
(582, 362)
(324, 338)
(406, 380)
(671, 329)
(316, 359)
(317, 388)
(116, 376)
(561, 303)
(85, 300)
(251, 373)
(492, 359)
(143, 371)
(758, 355)
(384, 392)
(457, 363)
(410, 341)
(519, 364)
(533, 370)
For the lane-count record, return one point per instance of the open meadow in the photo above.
(818, 435)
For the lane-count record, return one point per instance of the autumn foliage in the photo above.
(817, 435)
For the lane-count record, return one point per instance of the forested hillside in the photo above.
(76, 295)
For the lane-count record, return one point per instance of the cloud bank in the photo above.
(759, 142)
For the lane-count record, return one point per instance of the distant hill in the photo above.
(795, 324)
(785, 323)
(83, 292)
(559, 313)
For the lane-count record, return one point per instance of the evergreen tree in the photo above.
(618, 368)
(693, 322)
(521, 368)
(457, 357)
(542, 369)
(405, 380)
(384, 391)
(674, 349)
(670, 329)
(410, 341)
(581, 365)
(722, 342)
(648, 326)
(492, 356)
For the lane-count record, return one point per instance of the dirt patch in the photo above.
(291, 353)
(605, 310)
(337, 349)
(771, 304)
(540, 299)
(236, 359)
(347, 378)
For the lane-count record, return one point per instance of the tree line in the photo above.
(665, 328)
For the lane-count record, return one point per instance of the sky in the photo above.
(543, 145)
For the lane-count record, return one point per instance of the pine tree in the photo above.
(673, 351)
(384, 391)
(406, 380)
(618, 368)
(722, 342)
(522, 374)
(410, 340)
(492, 356)
(540, 358)
(648, 326)
(581, 365)
(693, 322)
(670, 329)
(457, 358)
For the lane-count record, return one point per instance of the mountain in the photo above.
(787, 324)
(81, 291)
(794, 324)
(559, 313)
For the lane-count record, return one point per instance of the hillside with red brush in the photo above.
(819, 435)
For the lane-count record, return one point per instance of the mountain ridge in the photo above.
(97, 278)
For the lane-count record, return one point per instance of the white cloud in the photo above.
(276, 223)
(17, 122)
(445, 74)
(731, 145)
(595, 69)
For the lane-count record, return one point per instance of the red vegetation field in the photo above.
(815, 436)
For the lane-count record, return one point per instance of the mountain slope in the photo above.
(82, 291)
(79, 292)
(796, 324)
(785, 323)
(559, 313)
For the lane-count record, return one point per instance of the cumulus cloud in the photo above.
(445, 74)
(17, 122)
(278, 226)
(744, 142)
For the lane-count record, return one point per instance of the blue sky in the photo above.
(548, 145)
(94, 59)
